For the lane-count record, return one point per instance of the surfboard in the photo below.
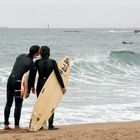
(49, 97)
(24, 85)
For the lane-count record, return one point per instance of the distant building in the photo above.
(48, 26)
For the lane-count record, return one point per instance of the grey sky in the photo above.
(70, 13)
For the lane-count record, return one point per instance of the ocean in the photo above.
(104, 83)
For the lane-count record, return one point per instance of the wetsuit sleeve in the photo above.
(56, 70)
(32, 74)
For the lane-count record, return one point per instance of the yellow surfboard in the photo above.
(24, 85)
(49, 96)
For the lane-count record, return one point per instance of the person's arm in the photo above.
(59, 78)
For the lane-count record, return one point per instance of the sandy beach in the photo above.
(95, 131)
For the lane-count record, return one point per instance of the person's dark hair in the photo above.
(33, 50)
(45, 51)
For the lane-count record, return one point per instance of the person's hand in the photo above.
(27, 95)
(33, 90)
(63, 90)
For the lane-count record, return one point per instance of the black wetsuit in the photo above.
(23, 63)
(45, 66)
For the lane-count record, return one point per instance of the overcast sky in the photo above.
(70, 13)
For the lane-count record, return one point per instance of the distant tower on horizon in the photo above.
(48, 26)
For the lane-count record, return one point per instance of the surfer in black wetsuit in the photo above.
(45, 66)
(23, 63)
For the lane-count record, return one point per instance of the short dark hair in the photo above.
(45, 51)
(33, 50)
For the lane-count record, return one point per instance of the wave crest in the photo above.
(128, 57)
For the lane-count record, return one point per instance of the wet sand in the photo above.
(94, 131)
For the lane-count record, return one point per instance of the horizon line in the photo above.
(6, 27)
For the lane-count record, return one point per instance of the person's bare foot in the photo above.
(6, 127)
(53, 128)
(17, 128)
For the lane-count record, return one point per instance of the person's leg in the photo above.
(9, 102)
(18, 103)
(51, 121)
(17, 112)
